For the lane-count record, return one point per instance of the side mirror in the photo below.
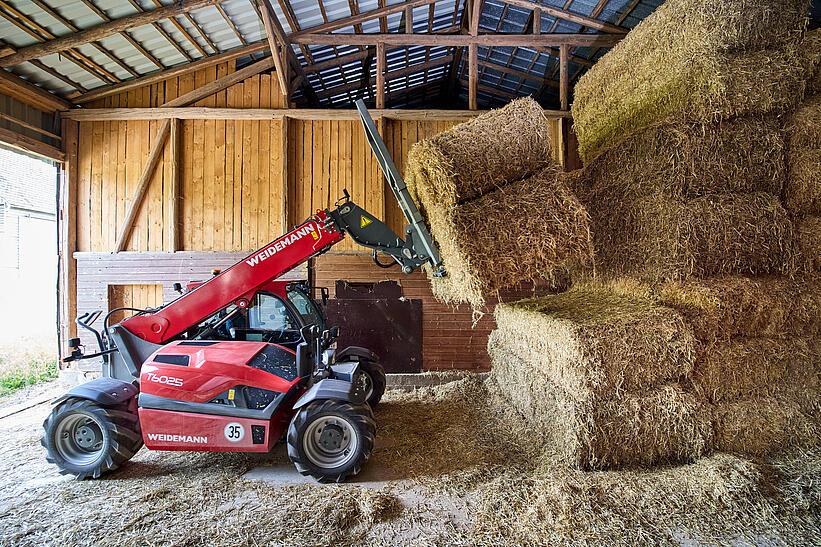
(325, 295)
(177, 288)
(306, 332)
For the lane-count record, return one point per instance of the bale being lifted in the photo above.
(694, 60)
(499, 211)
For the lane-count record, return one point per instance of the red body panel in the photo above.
(211, 371)
(168, 430)
(239, 283)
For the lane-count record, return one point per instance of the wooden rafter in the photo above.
(231, 24)
(162, 32)
(278, 44)
(103, 30)
(53, 73)
(26, 92)
(566, 15)
(28, 144)
(222, 83)
(484, 40)
(182, 30)
(42, 35)
(290, 16)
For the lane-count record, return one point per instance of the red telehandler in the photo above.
(218, 369)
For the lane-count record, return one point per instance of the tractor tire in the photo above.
(87, 440)
(331, 440)
(373, 381)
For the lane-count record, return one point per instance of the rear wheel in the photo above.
(372, 381)
(86, 440)
(331, 440)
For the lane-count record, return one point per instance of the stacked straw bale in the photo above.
(802, 192)
(499, 210)
(694, 60)
(599, 375)
(759, 357)
(811, 49)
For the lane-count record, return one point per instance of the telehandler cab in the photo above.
(218, 370)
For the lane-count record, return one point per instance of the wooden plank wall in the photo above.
(140, 296)
(28, 114)
(242, 185)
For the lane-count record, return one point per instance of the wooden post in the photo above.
(174, 194)
(283, 139)
(67, 223)
(473, 55)
(563, 76)
(380, 76)
(537, 21)
(408, 20)
(154, 157)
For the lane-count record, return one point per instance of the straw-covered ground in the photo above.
(460, 469)
(695, 60)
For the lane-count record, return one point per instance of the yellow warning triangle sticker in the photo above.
(364, 221)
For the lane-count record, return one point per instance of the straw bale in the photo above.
(809, 243)
(634, 428)
(595, 343)
(811, 49)
(760, 367)
(802, 193)
(724, 307)
(764, 425)
(529, 230)
(480, 155)
(660, 238)
(741, 155)
(694, 60)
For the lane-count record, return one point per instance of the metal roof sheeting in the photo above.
(336, 86)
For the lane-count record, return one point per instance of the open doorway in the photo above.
(28, 270)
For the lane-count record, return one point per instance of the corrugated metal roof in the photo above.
(502, 69)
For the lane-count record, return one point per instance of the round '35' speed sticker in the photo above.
(234, 432)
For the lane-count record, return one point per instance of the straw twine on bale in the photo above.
(721, 308)
(694, 60)
(478, 156)
(760, 367)
(741, 155)
(525, 231)
(761, 426)
(802, 193)
(594, 343)
(660, 238)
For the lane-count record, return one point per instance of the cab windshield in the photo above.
(306, 308)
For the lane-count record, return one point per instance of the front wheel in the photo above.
(85, 439)
(331, 440)
(373, 381)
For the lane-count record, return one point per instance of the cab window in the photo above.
(306, 308)
(269, 313)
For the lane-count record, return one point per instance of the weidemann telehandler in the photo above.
(210, 372)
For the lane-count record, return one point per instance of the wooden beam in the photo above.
(473, 55)
(24, 91)
(337, 61)
(31, 127)
(67, 227)
(241, 114)
(283, 173)
(485, 40)
(182, 30)
(380, 76)
(278, 51)
(408, 20)
(154, 157)
(361, 17)
(220, 84)
(564, 84)
(174, 158)
(412, 69)
(566, 15)
(537, 21)
(172, 72)
(28, 144)
(104, 30)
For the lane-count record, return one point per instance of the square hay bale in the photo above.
(595, 343)
(724, 307)
(764, 425)
(693, 60)
(811, 49)
(809, 243)
(741, 155)
(528, 230)
(665, 424)
(658, 238)
(480, 155)
(745, 368)
(802, 193)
